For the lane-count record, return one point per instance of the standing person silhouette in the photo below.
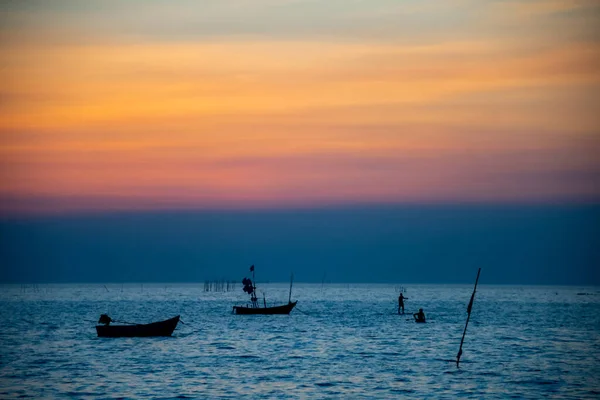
(401, 299)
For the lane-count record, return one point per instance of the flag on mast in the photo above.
(252, 267)
(470, 306)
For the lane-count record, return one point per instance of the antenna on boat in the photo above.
(291, 281)
(469, 308)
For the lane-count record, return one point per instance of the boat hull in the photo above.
(277, 310)
(162, 328)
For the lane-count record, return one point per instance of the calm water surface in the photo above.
(342, 341)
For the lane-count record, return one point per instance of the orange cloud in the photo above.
(263, 122)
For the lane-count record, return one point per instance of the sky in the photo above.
(121, 107)
(399, 244)
(264, 103)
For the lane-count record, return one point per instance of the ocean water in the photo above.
(342, 341)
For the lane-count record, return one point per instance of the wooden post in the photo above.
(469, 308)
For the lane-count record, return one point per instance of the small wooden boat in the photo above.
(162, 328)
(284, 309)
(254, 309)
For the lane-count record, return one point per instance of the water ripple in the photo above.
(348, 342)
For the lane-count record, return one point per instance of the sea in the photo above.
(341, 341)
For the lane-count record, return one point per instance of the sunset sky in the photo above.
(127, 105)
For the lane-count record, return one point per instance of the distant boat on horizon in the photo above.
(254, 308)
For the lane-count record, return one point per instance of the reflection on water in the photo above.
(341, 341)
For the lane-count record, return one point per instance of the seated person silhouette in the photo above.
(105, 319)
(420, 316)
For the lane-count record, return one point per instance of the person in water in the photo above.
(420, 316)
(401, 299)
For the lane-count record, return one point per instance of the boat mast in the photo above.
(291, 281)
(254, 298)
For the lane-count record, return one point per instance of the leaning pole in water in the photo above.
(469, 308)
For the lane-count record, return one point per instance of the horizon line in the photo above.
(300, 282)
(94, 211)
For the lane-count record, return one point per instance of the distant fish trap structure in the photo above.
(221, 285)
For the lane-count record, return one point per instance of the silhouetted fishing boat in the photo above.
(284, 309)
(162, 328)
(254, 309)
